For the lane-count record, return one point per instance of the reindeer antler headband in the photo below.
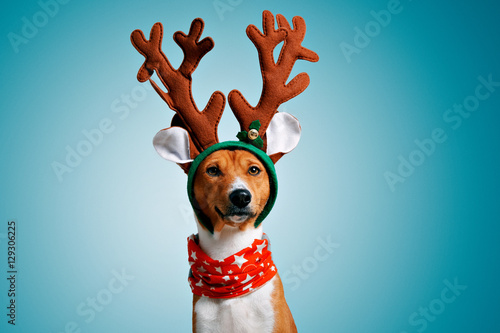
(264, 131)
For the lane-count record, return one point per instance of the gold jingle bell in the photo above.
(253, 134)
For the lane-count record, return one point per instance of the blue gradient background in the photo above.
(124, 208)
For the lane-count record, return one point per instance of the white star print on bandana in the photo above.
(234, 276)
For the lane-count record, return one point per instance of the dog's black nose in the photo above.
(240, 198)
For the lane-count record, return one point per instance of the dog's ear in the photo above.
(283, 135)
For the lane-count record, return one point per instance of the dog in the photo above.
(232, 185)
(232, 188)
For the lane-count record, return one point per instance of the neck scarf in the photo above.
(237, 275)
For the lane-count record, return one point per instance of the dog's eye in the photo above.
(213, 171)
(254, 171)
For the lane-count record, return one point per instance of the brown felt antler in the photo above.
(275, 89)
(201, 126)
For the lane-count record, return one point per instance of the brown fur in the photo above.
(283, 320)
(232, 164)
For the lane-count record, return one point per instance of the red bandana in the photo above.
(234, 276)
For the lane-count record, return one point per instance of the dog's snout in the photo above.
(240, 198)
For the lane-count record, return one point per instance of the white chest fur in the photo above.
(228, 241)
(252, 313)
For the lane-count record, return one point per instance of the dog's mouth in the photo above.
(235, 214)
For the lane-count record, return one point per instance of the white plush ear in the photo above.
(283, 134)
(173, 144)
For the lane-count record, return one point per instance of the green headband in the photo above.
(233, 145)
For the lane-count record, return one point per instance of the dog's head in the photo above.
(231, 187)
(232, 184)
